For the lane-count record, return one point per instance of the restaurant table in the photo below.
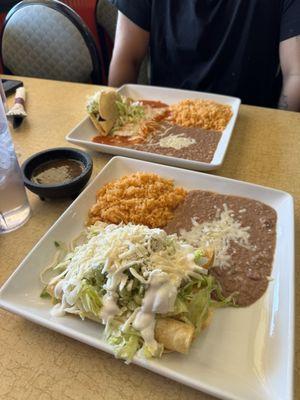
(37, 363)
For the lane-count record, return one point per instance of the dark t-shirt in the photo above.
(221, 46)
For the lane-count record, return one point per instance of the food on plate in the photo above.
(182, 142)
(189, 129)
(242, 233)
(126, 120)
(140, 198)
(174, 335)
(206, 114)
(108, 108)
(102, 109)
(152, 291)
(137, 119)
(155, 289)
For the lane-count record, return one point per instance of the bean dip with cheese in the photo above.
(190, 143)
(242, 232)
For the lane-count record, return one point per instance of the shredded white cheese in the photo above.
(218, 234)
(163, 263)
(177, 142)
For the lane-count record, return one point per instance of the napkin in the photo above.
(17, 112)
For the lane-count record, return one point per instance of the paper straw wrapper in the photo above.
(18, 109)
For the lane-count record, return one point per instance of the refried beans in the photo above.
(202, 148)
(249, 269)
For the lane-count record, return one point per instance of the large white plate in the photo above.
(245, 354)
(83, 133)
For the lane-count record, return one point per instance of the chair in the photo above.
(47, 39)
(107, 15)
(107, 18)
(4, 8)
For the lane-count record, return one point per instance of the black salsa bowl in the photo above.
(69, 189)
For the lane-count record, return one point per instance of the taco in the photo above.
(102, 110)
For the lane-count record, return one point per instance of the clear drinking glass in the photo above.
(14, 206)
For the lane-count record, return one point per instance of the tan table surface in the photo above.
(36, 363)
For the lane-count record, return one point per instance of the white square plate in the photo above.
(83, 133)
(245, 353)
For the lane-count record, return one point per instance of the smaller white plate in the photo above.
(245, 354)
(83, 133)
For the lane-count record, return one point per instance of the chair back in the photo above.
(107, 15)
(47, 39)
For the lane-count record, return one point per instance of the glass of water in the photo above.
(14, 207)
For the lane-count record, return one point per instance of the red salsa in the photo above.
(115, 140)
(153, 103)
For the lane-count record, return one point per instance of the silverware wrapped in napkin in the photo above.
(17, 112)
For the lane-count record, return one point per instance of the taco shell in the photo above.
(106, 126)
(174, 335)
(96, 123)
(107, 105)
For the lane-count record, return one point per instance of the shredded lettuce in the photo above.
(180, 308)
(151, 351)
(129, 112)
(92, 105)
(198, 256)
(126, 344)
(197, 297)
(90, 298)
(198, 307)
(44, 294)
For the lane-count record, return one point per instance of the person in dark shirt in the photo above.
(244, 48)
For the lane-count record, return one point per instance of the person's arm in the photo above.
(289, 52)
(130, 48)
